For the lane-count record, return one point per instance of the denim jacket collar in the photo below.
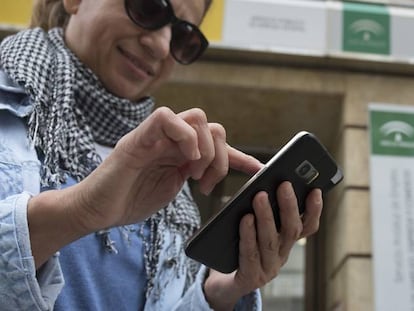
(13, 97)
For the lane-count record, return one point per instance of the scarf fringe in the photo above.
(71, 111)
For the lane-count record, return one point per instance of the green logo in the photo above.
(392, 133)
(366, 28)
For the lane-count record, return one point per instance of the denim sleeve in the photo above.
(20, 287)
(194, 298)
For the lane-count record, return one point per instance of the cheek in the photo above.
(165, 73)
(167, 68)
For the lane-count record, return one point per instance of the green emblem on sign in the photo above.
(366, 28)
(392, 133)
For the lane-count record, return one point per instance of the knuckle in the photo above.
(269, 219)
(253, 256)
(162, 112)
(221, 170)
(295, 232)
(199, 114)
(218, 130)
(273, 246)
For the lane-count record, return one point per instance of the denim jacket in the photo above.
(21, 286)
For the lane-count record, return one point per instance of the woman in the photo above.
(93, 187)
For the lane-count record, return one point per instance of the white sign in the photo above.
(392, 205)
(276, 25)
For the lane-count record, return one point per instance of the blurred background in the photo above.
(276, 67)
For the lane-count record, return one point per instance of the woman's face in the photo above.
(129, 61)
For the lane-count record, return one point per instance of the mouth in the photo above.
(138, 63)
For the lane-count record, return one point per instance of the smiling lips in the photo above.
(138, 63)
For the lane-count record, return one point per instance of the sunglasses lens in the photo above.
(187, 43)
(149, 14)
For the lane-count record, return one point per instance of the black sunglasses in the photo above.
(187, 41)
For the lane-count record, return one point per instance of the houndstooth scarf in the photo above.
(71, 111)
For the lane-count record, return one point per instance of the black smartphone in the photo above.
(303, 161)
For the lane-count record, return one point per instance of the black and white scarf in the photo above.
(71, 112)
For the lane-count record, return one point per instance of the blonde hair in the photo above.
(48, 14)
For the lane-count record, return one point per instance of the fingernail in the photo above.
(206, 190)
(250, 222)
(264, 199)
(287, 190)
(318, 196)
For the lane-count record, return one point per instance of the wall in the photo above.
(263, 99)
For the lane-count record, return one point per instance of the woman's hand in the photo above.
(263, 251)
(143, 174)
(147, 168)
(150, 165)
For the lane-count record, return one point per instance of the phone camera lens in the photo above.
(307, 171)
(304, 169)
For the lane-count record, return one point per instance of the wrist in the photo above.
(53, 222)
(217, 294)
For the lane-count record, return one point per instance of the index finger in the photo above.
(164, 123)
(243, 162)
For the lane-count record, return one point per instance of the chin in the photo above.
(126, 90)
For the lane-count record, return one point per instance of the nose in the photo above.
(157, 42)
